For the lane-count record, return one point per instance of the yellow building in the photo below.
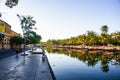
(13, 33)
(5, 29)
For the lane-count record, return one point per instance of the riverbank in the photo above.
(90, 49)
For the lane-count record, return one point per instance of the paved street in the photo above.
(31, 67)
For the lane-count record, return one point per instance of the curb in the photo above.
(51, 71)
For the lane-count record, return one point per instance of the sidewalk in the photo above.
(6, 53)
(31, 67)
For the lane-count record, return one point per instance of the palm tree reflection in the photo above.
(104, 64)
(91, 59)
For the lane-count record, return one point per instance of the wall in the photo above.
(5, 28)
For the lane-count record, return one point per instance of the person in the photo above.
(17, 50)
(43, 52)
(43, 55)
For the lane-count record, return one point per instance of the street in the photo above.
(30, 67)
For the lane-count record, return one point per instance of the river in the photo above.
(71, 65)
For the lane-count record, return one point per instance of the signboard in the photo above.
(2, 27)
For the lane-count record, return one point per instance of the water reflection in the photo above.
(91, 59)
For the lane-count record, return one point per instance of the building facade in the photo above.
(6, 33)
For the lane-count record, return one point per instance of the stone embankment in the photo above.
(91, 49)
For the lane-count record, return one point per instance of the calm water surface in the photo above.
(68, 65)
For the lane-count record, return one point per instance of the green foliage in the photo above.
(11, 3)
(104, 29)
(90, 38)
(17, 40)
(33, 38)
(27, 24)
(115, 38)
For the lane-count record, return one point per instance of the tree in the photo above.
(104, 29)
(83, 39)
(16, 40)
(92, 37)
(104, 35)
(27, 24)
(11, 3)
(33, 38)
(104, 65)
(72, 40)
(115, 38)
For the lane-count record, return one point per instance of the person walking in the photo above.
(17, 50)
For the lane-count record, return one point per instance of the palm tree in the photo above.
(83, 39)
(103, 39)
(92, 37)
(104, 35)
(72, 40)
(104, 29)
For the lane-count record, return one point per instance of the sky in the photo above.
(59, 19)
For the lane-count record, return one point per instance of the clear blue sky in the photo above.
(58, 19)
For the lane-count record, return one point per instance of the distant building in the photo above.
(6, 33)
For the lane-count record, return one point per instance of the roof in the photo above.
(5, 23)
